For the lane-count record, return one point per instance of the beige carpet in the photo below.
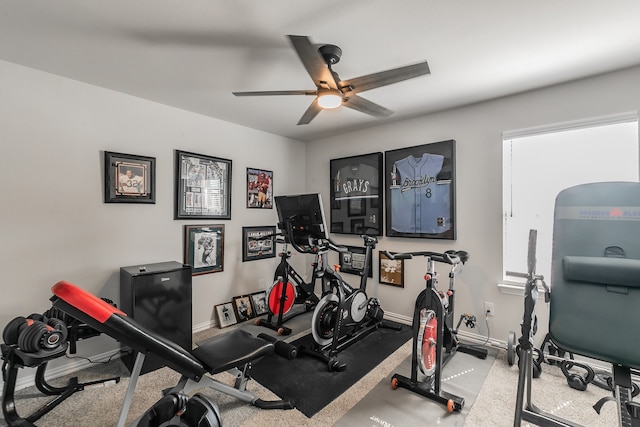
(494, 405)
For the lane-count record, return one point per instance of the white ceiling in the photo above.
(193, 54)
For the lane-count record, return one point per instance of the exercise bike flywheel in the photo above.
(275, 295)
(427, 341)
(324, 318)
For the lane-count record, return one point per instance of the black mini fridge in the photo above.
(158, 297)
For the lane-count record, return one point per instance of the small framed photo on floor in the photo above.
(226, 315)
(243, 308)
(259, 302)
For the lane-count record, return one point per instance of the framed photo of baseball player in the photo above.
(259, 189)
(129, 178)
(203, 187)
(258, 243)
(420, 191)
(204, 248)
(243, 308)
(356, 194)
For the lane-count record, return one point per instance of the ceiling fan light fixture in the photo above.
(329, 99)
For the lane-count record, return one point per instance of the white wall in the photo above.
(54, 224)
(477, 130)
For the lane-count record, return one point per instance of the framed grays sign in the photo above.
(420, 191)
(356, 195)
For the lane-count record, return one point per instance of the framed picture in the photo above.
(226, 315)
(391, 271)
(420, 191)
(259, 302)
(204, 248)
(352, 261)
(356, 194)
(259, 189)
(203, 187)
(258, 243)
(129, 178)
(243, 308)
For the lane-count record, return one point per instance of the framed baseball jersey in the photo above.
(356, 195)
(420, 191)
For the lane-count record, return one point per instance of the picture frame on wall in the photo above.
(258, 243)
(226, 315)
(391, 271)
(204, 248)
(356, 194)
(243, 308)
(203, 186)
(420, 191)
(259, 188)
(352, 261)
(259, 302)
(129, 178)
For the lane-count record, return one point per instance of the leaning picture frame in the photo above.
(391, 271)
(129, 178)
(352, 261)
(259, 188)
(420, 191)
(243, 308)
(258, 243)
(204, 248)
(226, 315)
(259, 302)
(356, 194)
(202, 187)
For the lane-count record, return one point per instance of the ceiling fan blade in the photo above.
(313, 62)
(276, 92)
(311, 112)
(358, 103)
(384, 78)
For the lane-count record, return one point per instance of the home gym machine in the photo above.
(283, 294)
(344, 314)
(593, 295)
(433, 332)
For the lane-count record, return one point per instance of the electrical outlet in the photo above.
(489, 309)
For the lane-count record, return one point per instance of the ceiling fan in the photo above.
(331, 91)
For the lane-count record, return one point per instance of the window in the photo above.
(539, 163)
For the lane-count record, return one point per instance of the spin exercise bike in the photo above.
(434, 339)
(283, 294)
(344, 314)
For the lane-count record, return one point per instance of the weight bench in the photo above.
(233, 351)
(594, 294)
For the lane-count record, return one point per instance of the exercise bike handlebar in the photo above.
(449, 257)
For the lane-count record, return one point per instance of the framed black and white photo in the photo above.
(204, 248)
(129, 178)
(203, 187)
(352, 261)
(420, 191)
(259, 302)
(243, 308)
(226, 315)
(259, 188)
(391, 270)
(258, 243)
(356, 194)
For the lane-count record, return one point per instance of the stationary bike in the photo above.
(344, 314)
(283, 294)
(433, 334)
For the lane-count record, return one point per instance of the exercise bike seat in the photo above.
(230, 350)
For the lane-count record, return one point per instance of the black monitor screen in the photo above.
(301, 217)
